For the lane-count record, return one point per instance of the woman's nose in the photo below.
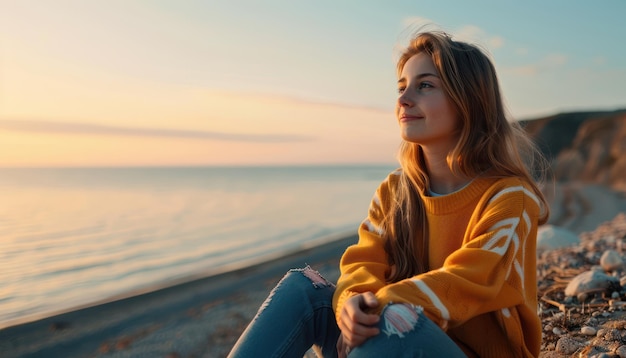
(404, 100)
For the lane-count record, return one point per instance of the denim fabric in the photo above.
(424, 339)
(298, 314)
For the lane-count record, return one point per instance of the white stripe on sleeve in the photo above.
(433, 298)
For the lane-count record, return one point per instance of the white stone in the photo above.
(566, 345)
(611, 260)
(589, 280)
(551, 237)
(621, 351)
(588, 331)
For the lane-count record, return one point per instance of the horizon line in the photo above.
(199, 166)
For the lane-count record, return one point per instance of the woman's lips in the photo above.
(408, 118)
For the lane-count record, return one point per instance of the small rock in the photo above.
(593, 352)
(566, 345)
(557, 331)
(621, 351)
(592, 322)
(611, 260)
(613, 335)
(589, 280)
(582, 297)
(617, 304)
(588, 331)
(615, 295)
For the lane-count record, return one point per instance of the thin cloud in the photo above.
(530, 70)
(474, 34)
(555, 59)
(339, 105)
(548, 63)
(289, 99)
(522, 51)
(467, 33)
(36, 126)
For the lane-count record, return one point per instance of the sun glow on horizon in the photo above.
(211, 128)
(143, 83)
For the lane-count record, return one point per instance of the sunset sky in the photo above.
(242, 82)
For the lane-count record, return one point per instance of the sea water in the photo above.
(73, 237)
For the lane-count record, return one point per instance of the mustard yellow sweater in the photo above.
(482, 287)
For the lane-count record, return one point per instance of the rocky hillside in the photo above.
(587, 152)
(588, 147)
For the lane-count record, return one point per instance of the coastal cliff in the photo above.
(587, 156)
(589, 147)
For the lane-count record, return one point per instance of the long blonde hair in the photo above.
(489, 145)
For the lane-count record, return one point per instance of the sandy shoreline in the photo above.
(204, 317)
(193, 319)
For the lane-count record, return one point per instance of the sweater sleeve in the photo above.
(486, 273)
(364, 266)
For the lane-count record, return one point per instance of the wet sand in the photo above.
(201, 318)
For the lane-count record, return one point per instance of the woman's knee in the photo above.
(301, 283)
(407, 332)
(315, 278)
(304, 278)
(400, 318)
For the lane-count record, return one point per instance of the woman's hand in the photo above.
(355, 323)
(342, 348)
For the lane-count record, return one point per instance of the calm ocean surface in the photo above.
(70, 237)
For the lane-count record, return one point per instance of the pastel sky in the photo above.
(243, 82)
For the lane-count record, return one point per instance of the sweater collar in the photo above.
(455, 201)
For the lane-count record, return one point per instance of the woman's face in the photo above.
(425, 113)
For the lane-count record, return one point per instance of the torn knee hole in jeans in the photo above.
(316, 278)
(400, 318)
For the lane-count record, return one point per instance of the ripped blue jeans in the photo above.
(298, 314)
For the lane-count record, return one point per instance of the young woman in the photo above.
(445, 262)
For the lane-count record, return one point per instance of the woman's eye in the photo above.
(420, 87)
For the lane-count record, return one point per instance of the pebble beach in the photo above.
(582, 298)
